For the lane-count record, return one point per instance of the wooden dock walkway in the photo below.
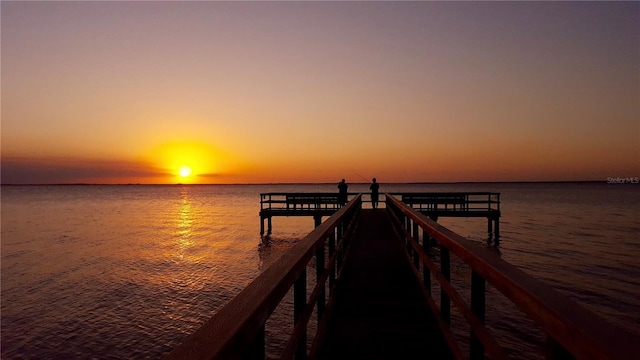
(380, 312)
(369, 278)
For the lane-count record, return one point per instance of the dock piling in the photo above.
(445, 268)
(478, 291)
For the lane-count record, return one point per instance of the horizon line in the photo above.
(315, 183)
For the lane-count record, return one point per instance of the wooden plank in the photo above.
(380, 312)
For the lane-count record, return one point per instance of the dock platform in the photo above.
(432, 204)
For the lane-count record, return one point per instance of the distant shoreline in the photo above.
(327, 183)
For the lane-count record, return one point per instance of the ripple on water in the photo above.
(129, 272)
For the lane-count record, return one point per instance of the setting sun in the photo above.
(185, 171)
(186, 161)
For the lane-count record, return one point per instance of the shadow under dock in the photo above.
(380, 311)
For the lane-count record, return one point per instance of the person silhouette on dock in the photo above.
(374, 193)
(342, 192)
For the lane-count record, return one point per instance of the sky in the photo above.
(268, 92)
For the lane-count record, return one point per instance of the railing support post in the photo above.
(416, 238)
(299, 303)
(340, 251)
(407, 226)
(555, 351)
(332, 270)
(255, 350)
(426, 240)
(445, 269)
(426, 273)
(407, 222)
(320, 269)
(478, 291)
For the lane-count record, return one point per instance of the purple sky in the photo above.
(297, 91)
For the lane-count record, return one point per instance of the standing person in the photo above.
(342, 192)
(374, 193)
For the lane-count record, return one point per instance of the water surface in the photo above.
(129, 271)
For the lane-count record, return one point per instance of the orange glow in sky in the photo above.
(186, 160)
(192, 162)
(254, 92)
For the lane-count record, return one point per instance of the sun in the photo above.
(185, 171)
(186, 162)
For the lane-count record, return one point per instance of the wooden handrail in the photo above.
(476, 323)
(472, 200)
(576, 329)
(236, 329)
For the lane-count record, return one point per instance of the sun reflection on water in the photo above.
(185, 226)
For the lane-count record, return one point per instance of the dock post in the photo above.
(435, 219)
(555, 351)
(489, 230)
(478, 291)
(496, 235)
(256, 349)
(299, 304)
(342, 250)
(317, 220)
(332, 270)
(426, 273)
(320, 269)
(445, 302)
(269, 227)
(416, 238)
(261, 225)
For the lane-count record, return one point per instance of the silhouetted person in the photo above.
(374, 193)
(342, 192)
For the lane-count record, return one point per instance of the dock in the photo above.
(365, 285)
(432, 204)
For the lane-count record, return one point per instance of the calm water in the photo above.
(119, 272)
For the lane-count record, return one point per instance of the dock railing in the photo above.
(422, 201)
(238, 329)
(298, 201)
(452, 201)
(433, 204)
(572, 331)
